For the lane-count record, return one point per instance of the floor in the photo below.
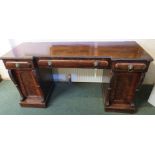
(69, 99)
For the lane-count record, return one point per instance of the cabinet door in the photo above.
(123, 87)
(28, 83)
(122, 91)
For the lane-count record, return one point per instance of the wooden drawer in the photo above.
(17, 64)
(73, 63)
(131, 67)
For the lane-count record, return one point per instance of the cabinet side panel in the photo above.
(28, 83)
(124, 86)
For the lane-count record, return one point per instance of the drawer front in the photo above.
(73, 63)
(131, 67)
(17, 64)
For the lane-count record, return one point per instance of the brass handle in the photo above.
(96, 63)
(130, 67)
(17, 65)
(49, 63)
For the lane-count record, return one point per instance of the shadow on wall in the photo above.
(0, 78)
(150, 75)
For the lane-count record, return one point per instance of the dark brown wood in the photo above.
(30, 67)
(30, 88)
(131, 67)
(121, 92)
(113, 50)
(16, 64)
(74, 63)
(33, 84)
(13, 78)
(98, 50)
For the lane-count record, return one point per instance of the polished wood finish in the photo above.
(30, 68)
(121, 91)
(74, 63)
(112, 50)
(130, 67)
(16, 64)
(94, 50)
(14, 79)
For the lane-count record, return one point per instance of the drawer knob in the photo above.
(17, 65)
(49, 63)
(96, 63)
(130, 67)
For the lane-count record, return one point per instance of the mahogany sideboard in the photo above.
(30, 68)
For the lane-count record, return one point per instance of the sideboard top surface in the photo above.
(128, 50)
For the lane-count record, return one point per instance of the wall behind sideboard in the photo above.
(5, 46)
(82, 75)
(149, 46)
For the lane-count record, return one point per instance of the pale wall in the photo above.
(148, 44)
(5, 46)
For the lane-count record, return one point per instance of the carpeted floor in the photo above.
(73, 99)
